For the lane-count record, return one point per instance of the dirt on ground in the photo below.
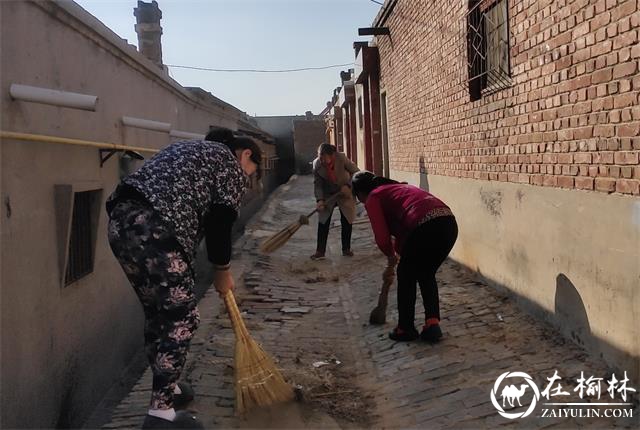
(310, 274)
(333, 390)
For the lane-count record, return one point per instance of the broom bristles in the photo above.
(280, 238)
(258, 380)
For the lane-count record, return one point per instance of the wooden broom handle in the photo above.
(329, 200)
(237, 322)
(383, 298)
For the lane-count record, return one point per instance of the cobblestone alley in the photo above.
(305, 312)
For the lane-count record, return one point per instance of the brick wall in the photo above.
(308, 134)
(571, 118)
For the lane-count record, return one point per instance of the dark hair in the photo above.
(220, 134)
(226, 136)
(365, 182)
(326, 149)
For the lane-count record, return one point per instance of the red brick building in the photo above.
(524, 116)
(567, 117)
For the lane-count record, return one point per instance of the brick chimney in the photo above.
(148, 17)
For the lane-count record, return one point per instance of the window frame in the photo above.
(481, 81)
(64, 197)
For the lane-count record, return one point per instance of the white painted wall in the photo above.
(63, 347)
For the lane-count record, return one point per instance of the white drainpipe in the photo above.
(146, 124)
(186, 135)
(53, 97)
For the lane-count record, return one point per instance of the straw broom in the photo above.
(280, 238)
(258, 380)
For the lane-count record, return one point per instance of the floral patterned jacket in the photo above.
(184, 181)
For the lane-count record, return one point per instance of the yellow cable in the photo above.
(65, 141)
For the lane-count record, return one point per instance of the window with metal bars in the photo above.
(488, 47)
(81, 241)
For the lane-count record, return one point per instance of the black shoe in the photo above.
(431, 334)
(347, 253)
(318, 256)
(184, 420)
(400, 335)
(187, 395)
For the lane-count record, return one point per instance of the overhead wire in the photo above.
(300, 69)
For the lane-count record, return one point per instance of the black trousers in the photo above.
(425, 250)
(323, 233)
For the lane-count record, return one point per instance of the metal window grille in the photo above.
(488, 39)
(271, 163)
(80, 252)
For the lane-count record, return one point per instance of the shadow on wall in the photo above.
(570, 318)
(570, 311)
(286, 160)
(304, 166)
(424, 178)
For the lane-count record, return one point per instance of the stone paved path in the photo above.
(306, 312)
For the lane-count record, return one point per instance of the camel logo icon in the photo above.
(512, 395)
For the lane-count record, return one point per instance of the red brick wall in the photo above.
(571, 119)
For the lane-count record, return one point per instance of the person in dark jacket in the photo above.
(414, 224)
(158, 215)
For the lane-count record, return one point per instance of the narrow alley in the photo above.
(136, 132)
(308, 314)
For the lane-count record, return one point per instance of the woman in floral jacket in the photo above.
(158, 215)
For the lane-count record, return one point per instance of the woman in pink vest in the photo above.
(414, 224)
